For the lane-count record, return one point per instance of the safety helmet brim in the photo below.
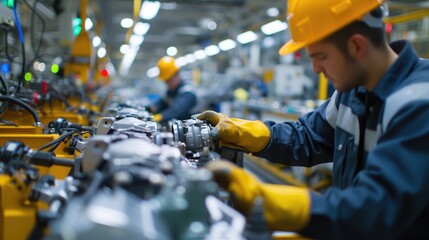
(291, 47)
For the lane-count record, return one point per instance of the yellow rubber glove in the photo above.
(286, 208)
(252, 136)
(157, 117)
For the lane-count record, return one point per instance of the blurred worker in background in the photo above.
(374, 128)
(180, 97)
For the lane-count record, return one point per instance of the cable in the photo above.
(21, 39)
(4, 92)
(5, 86)
(9, 123)
(24, 105)
(6, 44)
(34, 12)
(58, 140)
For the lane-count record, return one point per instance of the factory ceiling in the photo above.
(188, 25)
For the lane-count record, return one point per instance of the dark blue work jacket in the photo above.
(178, 103)
(379, 144)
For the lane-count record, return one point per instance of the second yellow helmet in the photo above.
(167, 68)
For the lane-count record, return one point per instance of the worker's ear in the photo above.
(357, 46)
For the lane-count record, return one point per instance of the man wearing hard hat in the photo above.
(374, 129)
(180, 97)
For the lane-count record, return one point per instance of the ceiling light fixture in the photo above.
(136, 40)
(190, 58)
(88, 24)
(101, 53)
(181, 61)
(153, 72)
(141, 28)
(211, 25)
(128, 60)
(149, 9)
(247, 37)
(124, 48)
(212, 50)
(127, 23)
(274, 27)
(227, 44)
(96, 41)
(273, 12)
(200, 54)
(171, 51)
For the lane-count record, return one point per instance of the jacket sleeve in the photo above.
(160, 105)
(181, 107)
(390, 194)
(307, 142)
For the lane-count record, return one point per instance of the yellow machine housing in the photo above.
(17, 214)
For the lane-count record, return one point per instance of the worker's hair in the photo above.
(375, 35)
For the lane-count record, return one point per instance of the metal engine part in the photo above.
(194, 133)
(119, 214)
(109, 125)
(135, 189)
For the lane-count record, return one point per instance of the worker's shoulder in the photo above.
(415, 92)
(186, 88)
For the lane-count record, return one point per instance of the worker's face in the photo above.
(343, 71)
(172, 82)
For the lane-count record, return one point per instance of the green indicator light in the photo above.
(28, 77)
(77, 21)
(10, 3)
(55, 68)
(77, 26)
(77, 30)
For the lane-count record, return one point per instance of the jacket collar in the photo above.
(399, 70)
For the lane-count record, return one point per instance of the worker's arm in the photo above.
(158, 106)
(389, 194)
(307, 142)
(386, 197)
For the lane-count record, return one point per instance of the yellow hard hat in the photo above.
(311, 21)
(167, 68)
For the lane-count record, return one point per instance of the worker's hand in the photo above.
(157, 117)
(252, 136)
(285, 208)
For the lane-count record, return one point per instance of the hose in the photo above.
(24, 105)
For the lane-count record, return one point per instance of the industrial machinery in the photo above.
(133, 179)
(134, 189)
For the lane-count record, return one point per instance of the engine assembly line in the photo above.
(214, 120)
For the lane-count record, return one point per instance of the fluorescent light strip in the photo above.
(136, 40)
(190, 58)
(101, 52)
(124, 48)
(247, 37)
(212, 50)
(274, 27)
(181, 61)
(200, 54)
(127, 23)
(227, 44)
(149, 9)
(153, 72)
(141, 28)
(88, 24)
(96, 41)
(128, 60)
(171, 51)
